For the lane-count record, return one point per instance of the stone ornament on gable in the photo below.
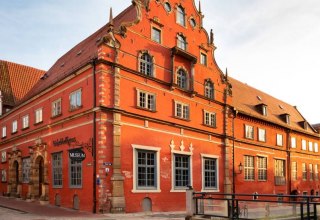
(182, 148)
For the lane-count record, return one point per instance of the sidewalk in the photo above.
(34, 210)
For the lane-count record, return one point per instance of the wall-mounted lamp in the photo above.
(240, 166)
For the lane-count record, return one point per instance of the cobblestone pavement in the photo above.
(14, 209)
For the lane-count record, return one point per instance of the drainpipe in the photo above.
(1, 105)
(94, 140)
(289, 161)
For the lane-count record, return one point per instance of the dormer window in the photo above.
(181, 16)
(304, 125)
(182, 42)
(262, 108)
(286, 118)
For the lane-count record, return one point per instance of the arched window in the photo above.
(181, 16)
(182, 79)
(208, 89)
(146, 64)
(181, 42)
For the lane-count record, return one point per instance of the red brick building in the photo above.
(137, 112)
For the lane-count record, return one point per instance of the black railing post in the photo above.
(308, 207)
(301, 210)
(197, 213)
(315, 216)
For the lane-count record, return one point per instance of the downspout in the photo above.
(94, 139)
(289, 162)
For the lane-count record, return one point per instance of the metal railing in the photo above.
(255, 206)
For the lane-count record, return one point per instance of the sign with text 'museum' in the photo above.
(77, 154)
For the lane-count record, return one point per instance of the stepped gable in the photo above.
(16, 81)
(246, 99)
(79, 55)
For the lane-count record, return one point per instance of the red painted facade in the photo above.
(145, 101)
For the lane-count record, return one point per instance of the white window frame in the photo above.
(75, 99)
(38, 115)
(4, 132)
(248, 168)
(209, 156)
(293, 142)
(156, 34)
(262, 134)
(294, 170)
(25, 122)
(263, 167)
(203, 59)
(14, 126)
(209, 89)
(304, 144)
(311, 172)
(185, 110)
(147, 99)
(182, 42)
(316, 172)
(279, 140)
(56, 108)
(304, 172)
(209, 118)
(157, 150)
(310, 146)
(249, 132)
(316, 147)
(181, 16)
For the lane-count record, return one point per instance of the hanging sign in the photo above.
(77, 154)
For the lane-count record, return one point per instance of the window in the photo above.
(264, 110)
(279, 172)
(56, 108)
(167, 7)
(248, 167)
(75, 100)
(210, 119)
(181, 171)
(304, 145)
(210, 173)
(208, 89)
(181, 17)
(146, 169)
(156, 35)
(182, 110)
(193, 22)
(38, 114)
(262, 168)
(262, 134)
(26, 170)
(304, 171)
(294, 171)
(310, 146)
(316, 147)
(25, 122)
(279, 140)
(316, 174)
(182, 79)
(310, 172)
(146, 100)
(75, 173)
(4, 131)
(203, 59)
(181, 42)
(146, 65)
(293, 142)
(14, 126)
(249, 131)
(57, 169)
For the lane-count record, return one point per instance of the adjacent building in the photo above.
(139, 111)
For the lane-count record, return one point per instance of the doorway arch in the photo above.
(15, 178)
(39, 177)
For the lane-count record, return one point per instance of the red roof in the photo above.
(247, 99)
(16, 81)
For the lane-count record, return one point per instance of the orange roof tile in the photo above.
(246, 99)
(17, 80)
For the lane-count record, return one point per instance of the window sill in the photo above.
(12, 133)
(145, 109)
(210, 126)
(56, 116)
(4, 137)
(75, 108)
(75, 187)
(146, 191)
(183, 119)
(26, 128)
(38, 123)
(210, 190)
(57, 187)
(178, 190)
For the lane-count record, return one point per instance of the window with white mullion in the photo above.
(182, 110)
(181, 171)
(146, 168)
(294, 171)
(262, 168)
(210, 119)
(248, 167)
(146, 100)
(304, 171)
(210, 173)
(25, 121)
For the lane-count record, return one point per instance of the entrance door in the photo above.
(40, 176)
(16, 177)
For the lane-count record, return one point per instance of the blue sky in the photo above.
(272, 45)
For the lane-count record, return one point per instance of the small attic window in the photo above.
(286, 118)
(280, 106)
(263, 109)
(304, 125)
(62, 64)
(44, 76)
(79, 53)
(259, 98)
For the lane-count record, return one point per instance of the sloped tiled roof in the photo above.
(16, 81)
(246, 99)
(79, 55)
